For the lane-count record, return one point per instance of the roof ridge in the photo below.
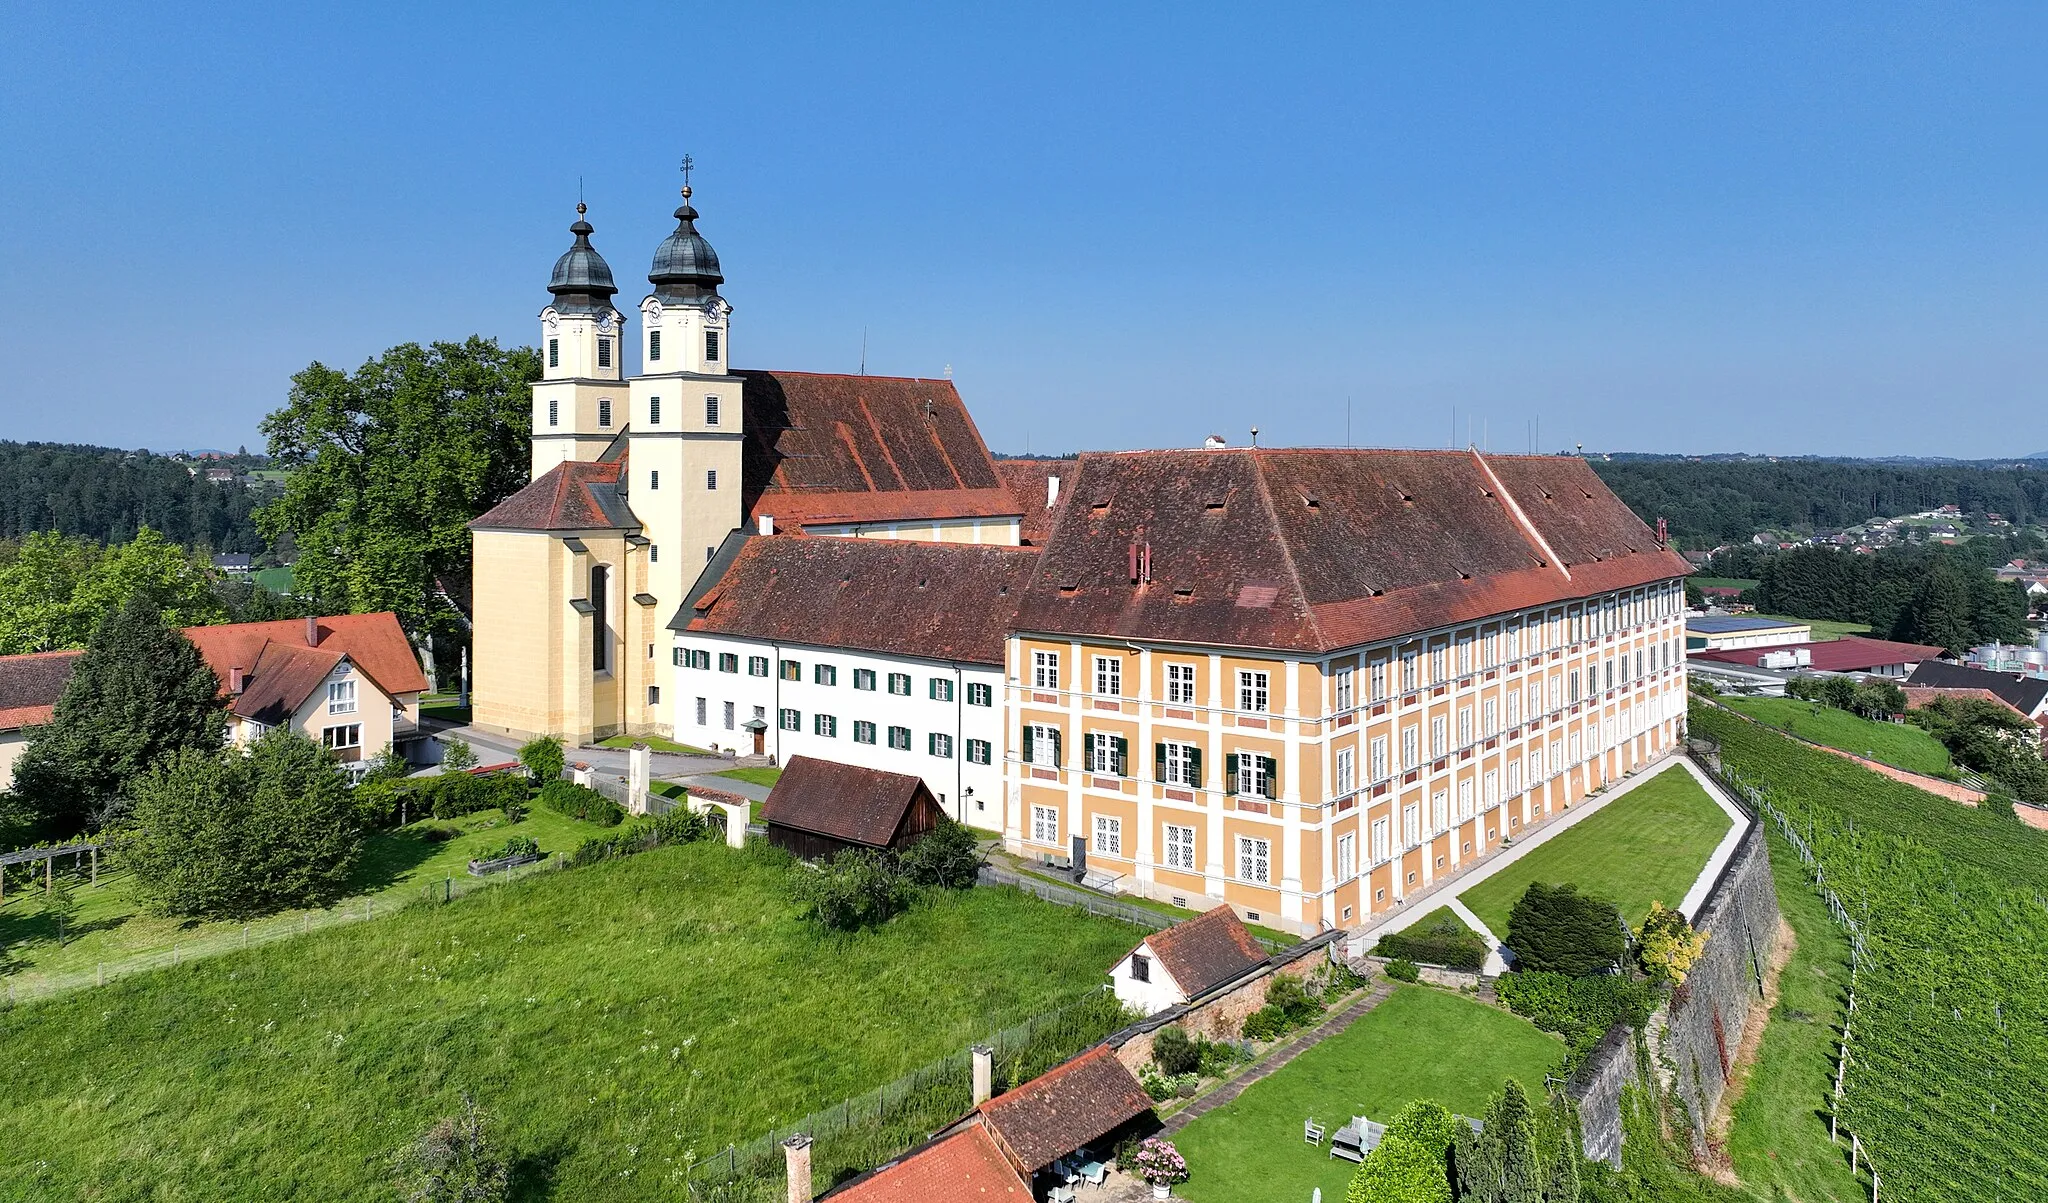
(1286, 551)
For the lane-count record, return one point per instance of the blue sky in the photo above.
(1785, 228)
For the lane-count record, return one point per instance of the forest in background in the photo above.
(1711, 502)
(107, 495)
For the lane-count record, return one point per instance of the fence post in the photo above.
(100, 973)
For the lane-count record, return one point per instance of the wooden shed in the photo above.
(821, 808)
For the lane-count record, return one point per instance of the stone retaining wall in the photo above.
(1220, 1015)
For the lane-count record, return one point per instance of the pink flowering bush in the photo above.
(1160, 1163)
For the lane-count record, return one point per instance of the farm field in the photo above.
(1421, 1043)
(1900, 744)
(395, 868)
(619, 1018)
(1948, 1066)
(1646, 846)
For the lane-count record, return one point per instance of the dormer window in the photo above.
(653, 346)
(711, 346)
(604, 352)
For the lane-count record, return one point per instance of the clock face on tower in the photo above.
(605, 324)
(715, 309)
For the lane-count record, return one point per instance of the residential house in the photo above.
(29, 687)
(1186, 961)
(2027, 695)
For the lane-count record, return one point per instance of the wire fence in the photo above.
(35, 987)
(866, 1131)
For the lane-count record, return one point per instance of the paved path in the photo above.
(1496, 952)
(1277, 1057)
(1696, 897)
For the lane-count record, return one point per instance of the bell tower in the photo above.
(580, 401)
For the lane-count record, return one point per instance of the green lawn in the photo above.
(1722, 582)
(1825, 628)
(653, 741)
(443, 707)
(277, 580)
(1420, 1043)
(759, 775)
(1779, 1140)
(1900, 744)
(618, 1018)
(1175, 913)
(1648, 845)
(395, 866)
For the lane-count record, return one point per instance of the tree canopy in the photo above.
(1556, 929)
(55, 588)
(237, 833)
(138, 696)
(1411, 1162)
(108, 495)
(1944, 597)
(390, 463)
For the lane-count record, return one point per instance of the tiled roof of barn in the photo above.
(845, 801)
(1027, 480)
(1315, 550)
(1206, 951)
(944, 601)
(569, 496)
(965, 1167)
(828, 449)
(1060, 1111)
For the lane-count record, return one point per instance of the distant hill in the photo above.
(106, 493)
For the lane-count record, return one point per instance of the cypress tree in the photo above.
(1499, 1164)
(1561, 1175)
(138, 695)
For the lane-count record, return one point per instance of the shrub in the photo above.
(237, 833)
(437, 833)
(543, 758)
(949, 858)
(1556, 929)
(1667, 946)
(1175, 1053)
(1218, 1056)
(376, 804)
(1442, 941)
(851, 891)
(1403, 970)
(455, 1161)
(1411, 1163)
(457, 756)
(1579, 1009)
(581, 802)
(1160, 1163)
(518, 845)
(675, 827)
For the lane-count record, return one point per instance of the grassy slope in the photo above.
(653, 741)
(758, 775)
(617, 1017)
(1419, 1043)
(1648, 845)
(395, 866)
(1825, 628)
(1779, 1140)
(1899, 744)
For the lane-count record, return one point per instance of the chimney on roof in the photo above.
(766, 524)
(312, 631)
(984, 1073)
(796, 1154)
(235, 680)
(1052, 491)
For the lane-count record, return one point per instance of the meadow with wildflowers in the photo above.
(620, 1019)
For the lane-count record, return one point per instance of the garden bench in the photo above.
(1357, 1138)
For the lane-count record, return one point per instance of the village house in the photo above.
(1186, 961)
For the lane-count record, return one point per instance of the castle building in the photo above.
(1303, 683)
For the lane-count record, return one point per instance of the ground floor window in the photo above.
(1045, 824)
(1180, 847)
(1254, 859)
(1109, 835)
(790, 720)
(348, 735)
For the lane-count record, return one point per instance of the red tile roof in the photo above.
(1050, 1116)
(965, 1167)
(30, 685)
(1028, 481)
(944, 601)
(281, 680)
(1852, 653)
(1206, 951)
(831, 450)
(1317, 550)
(567, 497)
(845, 801)
(375, 642)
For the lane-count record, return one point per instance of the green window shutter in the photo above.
(1159, 761)
(1272, 777)
(1230, 773)
(1027, 743)
(1055, 733)
(1195, 767)
(1121, 748)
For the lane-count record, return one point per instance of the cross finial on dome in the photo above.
(688, 164)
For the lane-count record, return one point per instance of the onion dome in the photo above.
(582, 282)
(685, 267)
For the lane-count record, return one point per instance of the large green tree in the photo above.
(230, 834)
(55, 588)
(1498, 1164)
(1411, 1162)
(138, 696)
(389, 464)
(1556, 929)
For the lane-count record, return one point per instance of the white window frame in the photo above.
(1044, 738)
(1347, 857)
(1045, 825)
(1254, 859)
(341, 697)
(1251, 774)
(1109, 676)
(1382, 839)
(1109, 836)
(1180, 684)
(1180, 848)
(1178, 767)
(1045, 670)
(1346, 689)
(1347, 770)
(1254, 691)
